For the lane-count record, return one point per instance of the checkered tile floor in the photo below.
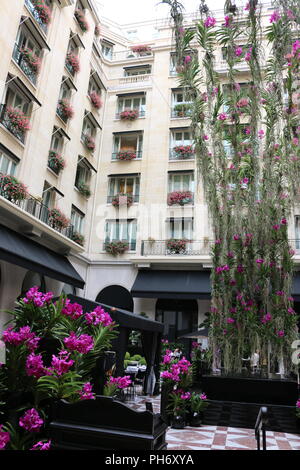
(217, 437)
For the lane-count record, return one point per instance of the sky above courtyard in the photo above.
(128, 11)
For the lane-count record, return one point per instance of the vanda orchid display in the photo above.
(250, 197)
(34, 376)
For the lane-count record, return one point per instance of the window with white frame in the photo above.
(93, 86)
(26, 40)
(16, 100)
(132, 71)
(181, 137)
(132, 102)
(121, 230)
(48, 197)
(65, 91)
(73, 47)
(128, 142)
(181, 181)
(180, 104)
(107, 50)
(180, 228)
(124, 185)
(88, 129)
(83, 173)
(57, 141)
(8, 165)
(77, 220)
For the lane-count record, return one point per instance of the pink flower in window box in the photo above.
(73, 61)
(126, 155)
(122, 200)
(64, 107)
(141, 48)
(180, 197)
(96, 100)
(80, 17)
(43, 11)
(17, 118)
(184, 151)
(129, 114)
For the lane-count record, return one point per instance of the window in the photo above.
(93, 86)
(128, 142)
(26, 42)
(48, 198)
(132, 102)
(8, 165)
(65, 91)
(174, 63)
(77, 220)
(107, 50)
(124, 185)
(180, 104)
(83, 173)
(121, 230)
(88, 134)
(132, 71)
(182, 138)
(181, 182)
(57, 141)
(17, 100)
(179, 228)
(31, 5)
(14, 99)
(226, 90)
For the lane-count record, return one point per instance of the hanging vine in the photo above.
(252, 181)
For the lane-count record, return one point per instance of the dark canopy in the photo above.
(20, 250)
(172, 284)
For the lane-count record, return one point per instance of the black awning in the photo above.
(123, 318)
(30, 24)
(172, 284)
(20, 250)
(23, 88)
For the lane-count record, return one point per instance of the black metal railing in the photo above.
(7, 122)
(135, 197)
(37, 209)
(260, 428)
(180, 155)
(137, 153)
(142, 113)
(70, 68)
(19, 58)
(31, 7)
(165, 248)
(61, 114)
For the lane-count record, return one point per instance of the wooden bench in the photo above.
(105, 424)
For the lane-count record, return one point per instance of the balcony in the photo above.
(165, 248)
(132, 81)
(184, 152)
(129, 54)
(38, 17)
(37, 209)
(10, 124)
(141, 113)
(20, 58)
(126, 155)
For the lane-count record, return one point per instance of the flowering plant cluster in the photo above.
(176, 371)
(126, 155)
(116, 383)
(182, 109)
(83, 188)
(73, 61)
(97, 30)
(78, 238)
(116, 248)
(129, 114)
(57, 219)
(89, 142)
(12, 189)
(65, 109)
(175, 246)
(80, 17)
(95, 99)
(56, 161)
(184, 151)
(33, 61)
(122, 199)
(180, 197)
(17, 119)
(42, 10)
(141, 48)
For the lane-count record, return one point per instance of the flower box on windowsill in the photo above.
(80, 17)
(184, 151)
(126, 155)
(142, 50)
(180, 197)
(65, 110)
(57, 219)
(182, 110)
(72, 63)
(176, 246)
(84, 189)
(78, 238)
(122, 200)
(89, 142)
(95, 100)
(129, 114)
(12, 189)
(15, 121)
(116, 248)
(55, 162)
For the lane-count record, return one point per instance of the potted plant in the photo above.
(57, 219)
(95, 99)
(184, 151)
(97, 30)
(141, 49)
(198, 403)
(177, 408)
(64, 109)
(17, 119)
(32, 60)
(182, 109)
(122, 199)
(72, 61)
(84, 188)
(55, 161)
(116, 248)
(80, 17)
(43, 11)
(129, 114)
(78, 238)
(180, 197)
(12, 189)
(126, 155)
(177, 246)
(115, 386)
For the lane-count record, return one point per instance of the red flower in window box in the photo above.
(126, 155)
(57, 219)
(12, 189)
(78, 238)
(129, 114)
(184, 151)
(65, 109)
(42, 10)
(141, 48)
(80, 17)
(89, 142)
(96, 100)
(17, 118)
(116, 248)
(97, 30)
(122, 200)
(73, 61)
(33, 61)
(56, 161)
(177, 246)
(180, 197)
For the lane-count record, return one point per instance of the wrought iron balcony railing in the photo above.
(180, 155)
(37, 209)
(165, 248)
(19, 58)
(31, 7)
(142, 113)
(137, 153)
(9, 124)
